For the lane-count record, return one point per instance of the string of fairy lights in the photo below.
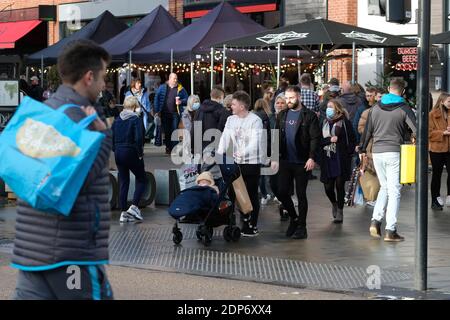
(234, 68)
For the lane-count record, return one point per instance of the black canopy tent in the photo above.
(320, 34)
(224, 22)
(99, 30)
(157, 25)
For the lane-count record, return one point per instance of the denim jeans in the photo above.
(387, 166)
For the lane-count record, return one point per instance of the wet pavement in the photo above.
(334, 257)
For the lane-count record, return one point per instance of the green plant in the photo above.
(53, 78)
(382, 81)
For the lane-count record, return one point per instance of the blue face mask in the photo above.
(195, 106)
(330, 113)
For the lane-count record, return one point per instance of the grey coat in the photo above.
(45, 241)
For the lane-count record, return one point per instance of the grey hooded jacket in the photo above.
(46, 241)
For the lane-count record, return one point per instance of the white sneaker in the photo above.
(264, 200)
(275, 199)
(441, 201)
(126, 217)
(135, 212)
(447, 201)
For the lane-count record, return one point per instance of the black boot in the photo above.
(300, 233)
(435, 205)
(293, 224)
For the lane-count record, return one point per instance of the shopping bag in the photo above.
(242, 199)
(370, 185)
(46, 156)
(359, 198)
(187, 175)
(407, 163)
(352, 187)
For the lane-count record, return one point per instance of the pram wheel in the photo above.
(228, 233)
(204, 234)
(235, 233)
(177, 237)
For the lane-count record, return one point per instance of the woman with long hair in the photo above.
(439, 147)
(137, 90)
(262, 110)
(338, 146)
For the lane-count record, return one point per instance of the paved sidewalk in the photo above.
(334, 257)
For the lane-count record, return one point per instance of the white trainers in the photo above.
(447, 201)
(265, 200)
(135, 212)
(126, 217)
(275, 199)
(441, 201)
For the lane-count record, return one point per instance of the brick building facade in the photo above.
(344, 11)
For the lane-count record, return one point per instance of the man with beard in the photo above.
(299, 140)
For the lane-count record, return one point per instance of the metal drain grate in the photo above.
(136, 248)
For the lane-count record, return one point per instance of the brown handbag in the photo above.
(242, 199)
(370, 185)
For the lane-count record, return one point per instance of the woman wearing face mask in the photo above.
(439, 146)
(144, 108)
(193, 104)
(338, 145)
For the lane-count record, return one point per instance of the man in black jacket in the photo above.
(63, 257)
(36, 92)
(299, 140)
(212, 115)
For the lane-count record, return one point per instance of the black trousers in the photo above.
(337, 183)
(127, 160)
(438, 161)
(251, 174)
(287, 173)
(169, 122)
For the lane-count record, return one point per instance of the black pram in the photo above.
(202, 204)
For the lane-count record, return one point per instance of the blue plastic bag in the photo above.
(46, 156)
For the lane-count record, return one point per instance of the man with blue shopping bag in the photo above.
(61, 253)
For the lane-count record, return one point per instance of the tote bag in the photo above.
(46, 156)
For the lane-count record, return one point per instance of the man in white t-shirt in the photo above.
(243, 134)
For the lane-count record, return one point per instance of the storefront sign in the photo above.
(408, 59)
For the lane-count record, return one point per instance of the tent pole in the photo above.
(171, 60)
(353, 63)
(278, 65)
(42, 71)
(192, 78)
(224, 68)
(299, 65)
(212, 68)
(27, 73)
(129, 67)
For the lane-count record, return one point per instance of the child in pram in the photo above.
(206, 204)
